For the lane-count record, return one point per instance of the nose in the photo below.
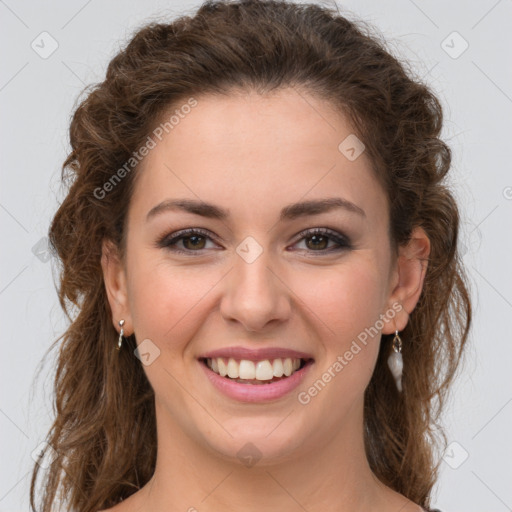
(255, 295)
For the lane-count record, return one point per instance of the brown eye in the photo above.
(193, 242)
(188, 241)
(318, 240)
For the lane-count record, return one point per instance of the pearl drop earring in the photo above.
(121, 333)
(396, 362)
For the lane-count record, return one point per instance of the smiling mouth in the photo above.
(255, 372)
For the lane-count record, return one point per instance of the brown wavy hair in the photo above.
(104, 433)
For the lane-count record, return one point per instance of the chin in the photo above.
(257, 441)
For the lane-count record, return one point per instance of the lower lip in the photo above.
(256, 392)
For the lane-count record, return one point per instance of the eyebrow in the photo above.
(288, 213)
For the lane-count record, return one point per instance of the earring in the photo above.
(120, 340)
(396, 362)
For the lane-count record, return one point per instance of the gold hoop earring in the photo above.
(396, 362)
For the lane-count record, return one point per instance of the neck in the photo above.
(191, 476)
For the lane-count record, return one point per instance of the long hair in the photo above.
(103, 438)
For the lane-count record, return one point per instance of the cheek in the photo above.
(347, 303)
(166, 300)
(347, 299)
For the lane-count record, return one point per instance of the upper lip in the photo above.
(259, 354)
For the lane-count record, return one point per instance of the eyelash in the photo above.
(169, 241)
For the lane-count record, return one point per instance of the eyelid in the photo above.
(165, 241)
(331, 233)
(342, 240)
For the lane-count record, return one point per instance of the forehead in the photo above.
(249, 153)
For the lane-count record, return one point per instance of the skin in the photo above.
(253, 155)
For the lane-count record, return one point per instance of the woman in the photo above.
(259, 260)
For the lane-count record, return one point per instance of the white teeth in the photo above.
(264, 370)
(246, 370)
(232, 368)
(288, 366)
(250, 370)
(278, 368)
(223, 371)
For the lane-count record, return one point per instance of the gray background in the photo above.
(37, 96)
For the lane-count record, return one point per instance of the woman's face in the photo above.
(252, 280)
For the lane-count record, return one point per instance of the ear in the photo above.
(114, 277)
(408, 278)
